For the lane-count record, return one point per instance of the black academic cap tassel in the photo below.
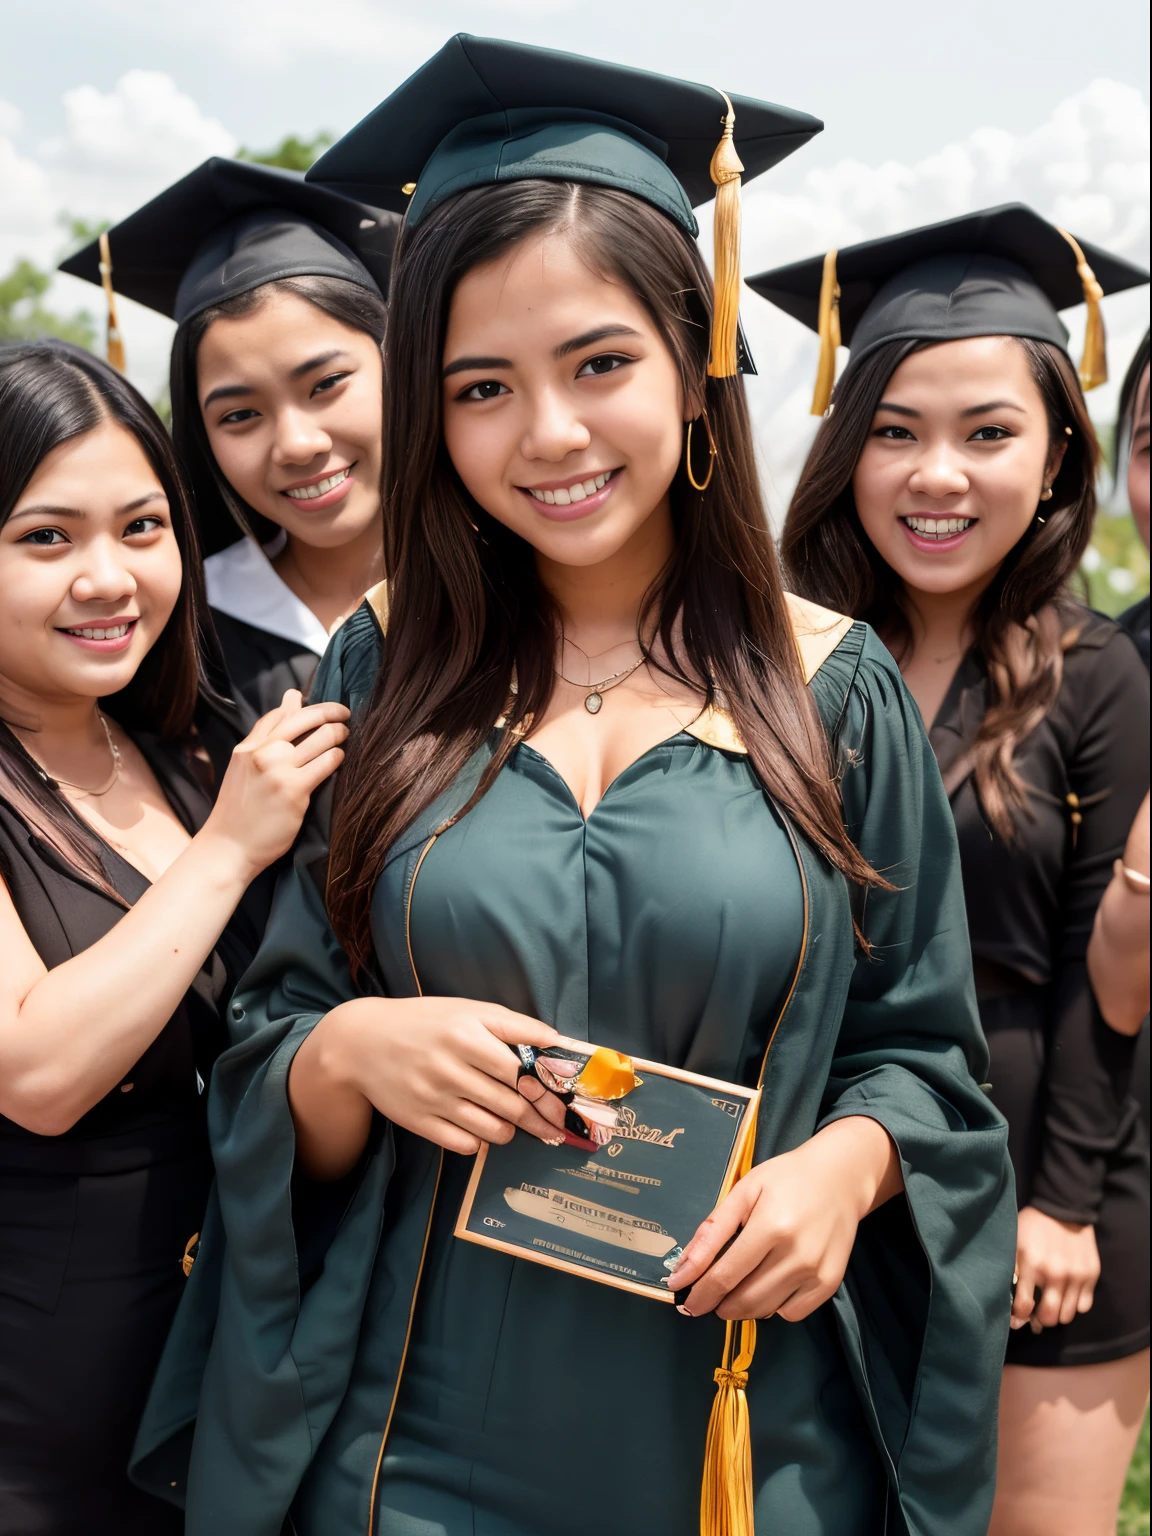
(1094, 358)
(115, 346)
(829, 330)
(725, 170)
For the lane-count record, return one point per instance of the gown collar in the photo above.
(242, 582)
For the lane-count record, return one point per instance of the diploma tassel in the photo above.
(726, 1493)
(829, 328)
(115, 346)
(1094, 358)
(726, 1505)
(725, 170)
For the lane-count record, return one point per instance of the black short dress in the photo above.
(94, 1223)
(1062, 1078)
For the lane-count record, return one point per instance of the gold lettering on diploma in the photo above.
(628, 1130)
(559, 1209)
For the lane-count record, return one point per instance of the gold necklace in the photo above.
(594, 697)
(83, 789)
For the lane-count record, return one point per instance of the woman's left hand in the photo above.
(796, 1216)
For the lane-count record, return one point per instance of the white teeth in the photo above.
(565, 496)
(938, 527)
(321, 488)
(109, 632)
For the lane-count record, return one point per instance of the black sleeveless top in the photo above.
(157, 1109)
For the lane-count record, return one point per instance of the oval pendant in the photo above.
(593, 702)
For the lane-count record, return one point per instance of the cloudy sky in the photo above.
(930, 110)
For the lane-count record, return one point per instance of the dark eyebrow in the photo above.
(589, 338)
(992, 405)
(897, 410)
(466, 364)
(227, 392)
(77, 515)
(575, 344)
(318, 361)
(238, 391)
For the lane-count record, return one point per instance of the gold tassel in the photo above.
(725, 171)
(1094, 358)
(726, 1501)
(829, 336)
(115, 350)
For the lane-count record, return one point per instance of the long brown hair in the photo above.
(1022, 621)
(223, 516)
(50, 393)
(467, 605)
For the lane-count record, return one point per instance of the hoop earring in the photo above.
(700, 485)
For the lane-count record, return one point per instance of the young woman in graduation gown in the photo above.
(277, 288)
(591, 789)
(948, 500)
(123, 856)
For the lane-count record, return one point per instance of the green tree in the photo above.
(291, 154)
(25, 317)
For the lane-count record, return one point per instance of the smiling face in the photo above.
(90, 572)
(291, 401)
(562, 405)
(955, 463)
(1138, 461)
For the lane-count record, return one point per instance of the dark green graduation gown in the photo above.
(358, 1366)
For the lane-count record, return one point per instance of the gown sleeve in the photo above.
(923, 1311)
(259, 1354)
(1086, 1105)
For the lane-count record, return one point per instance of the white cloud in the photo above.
(117, 150)
(1086, 167)
(121, 147)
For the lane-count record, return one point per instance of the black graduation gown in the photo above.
(269, 640)
(1059, 1074)
(94, 1223)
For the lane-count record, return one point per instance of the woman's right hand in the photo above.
(264, 794)
(439, 1066)
(1061, 1261)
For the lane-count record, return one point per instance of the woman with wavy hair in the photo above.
(947, 500)
(606, 779)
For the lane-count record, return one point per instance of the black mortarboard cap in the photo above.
(999, 272)
(230, 226)
(482, 111)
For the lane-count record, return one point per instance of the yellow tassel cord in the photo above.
(1094, 358)
(829, 336)
(726, 1505)
(115, 352)
(725, 171)
(726, 1502)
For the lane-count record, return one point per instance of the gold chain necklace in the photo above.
(594, 695)
(83, 788)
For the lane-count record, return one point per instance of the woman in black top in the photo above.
(948, 499)
(118, 881)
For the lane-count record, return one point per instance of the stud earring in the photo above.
(1046, 493)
